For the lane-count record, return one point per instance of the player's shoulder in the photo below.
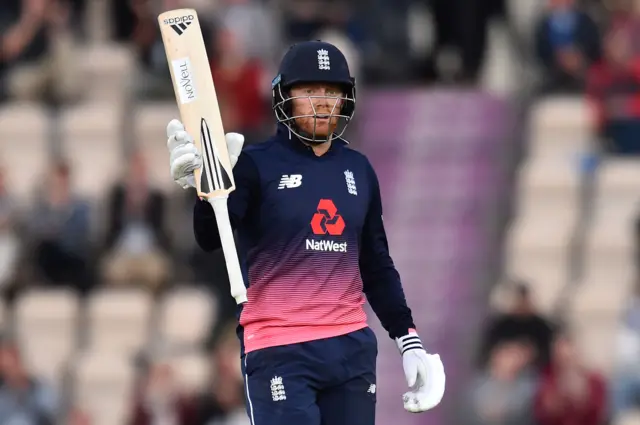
(259, 148)
(353, 153)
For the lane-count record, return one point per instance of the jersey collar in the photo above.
(286, 137)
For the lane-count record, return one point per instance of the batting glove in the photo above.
(424, 373)
(184, 157)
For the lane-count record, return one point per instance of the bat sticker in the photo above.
(214, 176)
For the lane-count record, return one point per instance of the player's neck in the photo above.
(321, 148)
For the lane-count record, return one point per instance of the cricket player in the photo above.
(312, 245)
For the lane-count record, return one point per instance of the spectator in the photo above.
(136, 244)
(9, 240)
(37, 51)
(24, 399)
(567, 43)
(521, 323)
(136, 22)
(79, 417)
(254, 26)
(241, 86)
(614, 91)
(59, 229)
(224, 404)
(462, 26)
(625, 394)
(503, 395)
(159, 400)
(569, 392)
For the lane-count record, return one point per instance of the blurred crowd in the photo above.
(157, 396)
(529, 369)
(592, 49)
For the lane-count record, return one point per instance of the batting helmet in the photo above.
(313, 62)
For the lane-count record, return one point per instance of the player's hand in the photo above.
(184, 157)
(424, 373)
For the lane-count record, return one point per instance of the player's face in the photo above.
(317, 107)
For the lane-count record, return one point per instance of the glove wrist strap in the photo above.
(409, 342)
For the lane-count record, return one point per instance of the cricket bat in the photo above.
(200, 114)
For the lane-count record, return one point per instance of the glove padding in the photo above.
(184, 157)
(424, 374)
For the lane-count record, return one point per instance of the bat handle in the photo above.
(238, 289)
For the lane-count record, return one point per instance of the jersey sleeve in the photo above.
(381, 280)
(205, 227)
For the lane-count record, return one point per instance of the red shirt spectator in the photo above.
(614, 83)
(239, 82)
(241, 92)
(570, 394)
(158, 399)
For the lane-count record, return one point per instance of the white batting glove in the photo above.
(184, 157)
(424, 373)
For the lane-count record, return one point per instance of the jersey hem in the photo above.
(316, 334)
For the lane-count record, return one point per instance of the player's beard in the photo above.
(317, 129)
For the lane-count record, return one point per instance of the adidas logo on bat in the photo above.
(180, 28)
(179, 24)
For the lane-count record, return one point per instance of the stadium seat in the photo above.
(119, 320)
(560, 115)
(103, 386)
(631, 417)
(152, 120)
(151, 134)
(594, 335)
(547, 213)
(24, 172)
(3, 314)
(544, 270)
(547, 197)
(186, 316)
(90, 119)
(193, 371)
(549, 174)
(46, 325)
(112, 65)
(15, 115)
(96, 163)
(602, 293)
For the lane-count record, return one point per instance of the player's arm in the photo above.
(205, 227)
(381, 280)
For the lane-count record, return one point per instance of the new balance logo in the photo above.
(290, 181)
(181, 28)
(277, 389)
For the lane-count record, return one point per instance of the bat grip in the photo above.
(238, 289)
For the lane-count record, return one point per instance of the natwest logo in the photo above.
(325, 246)
(327, 220)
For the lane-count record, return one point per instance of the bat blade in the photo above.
(200, 114)
(197, 100)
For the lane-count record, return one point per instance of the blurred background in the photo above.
(505, 134)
